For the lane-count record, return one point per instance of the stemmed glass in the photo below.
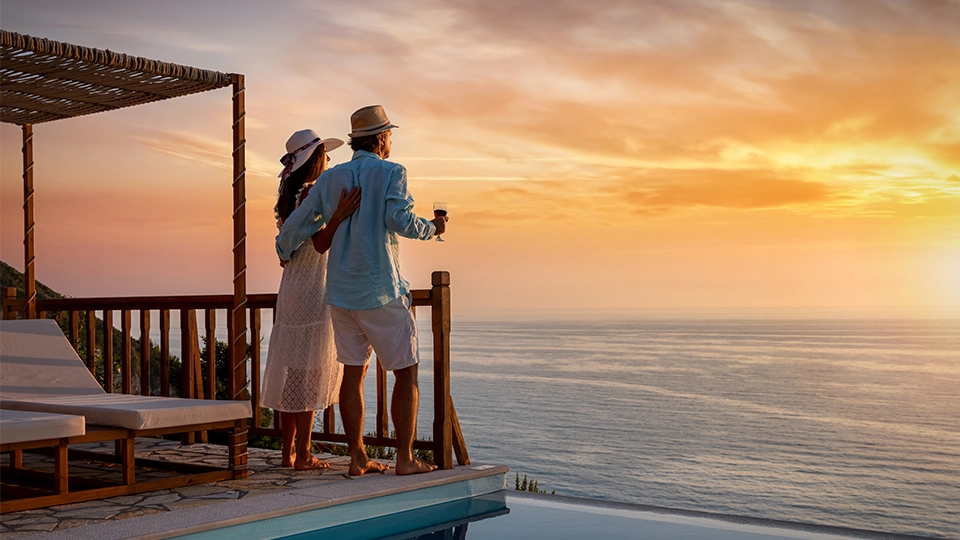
(439, 209)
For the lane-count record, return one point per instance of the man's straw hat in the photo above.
(369, 121)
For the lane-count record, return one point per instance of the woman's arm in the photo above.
(349, 202)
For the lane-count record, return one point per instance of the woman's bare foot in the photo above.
(288, 460)
(310, 464)
(415, 466)
(369, 466)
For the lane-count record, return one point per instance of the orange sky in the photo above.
(595, 155)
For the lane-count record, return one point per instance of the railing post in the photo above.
(442, 418)
(11, 306)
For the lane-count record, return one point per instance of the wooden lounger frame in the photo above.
(37, 489)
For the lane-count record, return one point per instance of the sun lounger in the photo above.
(40, 372)
(24, 430)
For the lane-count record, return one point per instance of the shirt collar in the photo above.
(364, 153)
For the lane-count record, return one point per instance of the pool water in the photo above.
(498, 516)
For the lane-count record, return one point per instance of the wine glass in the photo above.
(439, 210)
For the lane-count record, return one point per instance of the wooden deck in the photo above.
(193, 508)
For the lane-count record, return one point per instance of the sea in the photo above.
(833, 421)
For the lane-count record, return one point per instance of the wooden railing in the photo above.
(447, 437)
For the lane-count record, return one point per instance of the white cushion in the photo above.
(40, 371)
(136, 412)
(20, 426)
(37, 360)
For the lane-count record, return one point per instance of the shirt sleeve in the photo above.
(399, 209)
(302, 223)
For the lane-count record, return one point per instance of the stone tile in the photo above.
(39, 527)
(77, 506)
(160, 499)
(200, 489)
(90, 513)
(31, 520)
(125, 499)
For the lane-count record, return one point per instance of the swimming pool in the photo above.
(519, 516)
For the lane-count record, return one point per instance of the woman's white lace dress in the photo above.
(302, 372)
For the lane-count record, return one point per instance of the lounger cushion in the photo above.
(40, 371)
(22, 426)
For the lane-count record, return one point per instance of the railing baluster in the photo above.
(382, 420)
(108, 350)
(165, 352)
(210, 329)
(255, 365)
(145, 351)
(188, 336)
(125, 353)
(92, 341)
(75, 330)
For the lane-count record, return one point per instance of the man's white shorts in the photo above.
(390, 330)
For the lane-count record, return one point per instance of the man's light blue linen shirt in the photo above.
(363, 267)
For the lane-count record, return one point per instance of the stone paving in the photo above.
(265, 476)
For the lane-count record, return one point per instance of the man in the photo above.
(370, 303)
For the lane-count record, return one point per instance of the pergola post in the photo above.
(29, 273)
(237, 376)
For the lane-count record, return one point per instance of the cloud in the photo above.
(725, 189)
(200, 149)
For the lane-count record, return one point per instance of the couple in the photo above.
(332, 315)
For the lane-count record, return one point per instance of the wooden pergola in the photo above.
(43, 81)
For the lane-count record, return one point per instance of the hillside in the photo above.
(11, 277)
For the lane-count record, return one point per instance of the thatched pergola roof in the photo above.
(43, 80)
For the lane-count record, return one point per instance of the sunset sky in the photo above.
(603, 155)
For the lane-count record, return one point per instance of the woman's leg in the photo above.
(288, 423)
(305, 459)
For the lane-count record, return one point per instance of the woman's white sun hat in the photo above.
(369, 121)
(300, 147)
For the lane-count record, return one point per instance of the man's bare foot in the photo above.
(415, 466)
(287, 461)
(369, 466)
(310, 464)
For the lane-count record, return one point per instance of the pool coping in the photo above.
(191, 521)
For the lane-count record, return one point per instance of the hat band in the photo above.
(290, 159)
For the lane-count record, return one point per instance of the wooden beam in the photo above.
(29, 258)
(238, 337)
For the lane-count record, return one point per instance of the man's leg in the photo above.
(403, 409)
(351, 414)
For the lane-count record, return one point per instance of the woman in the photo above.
(302, 373)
